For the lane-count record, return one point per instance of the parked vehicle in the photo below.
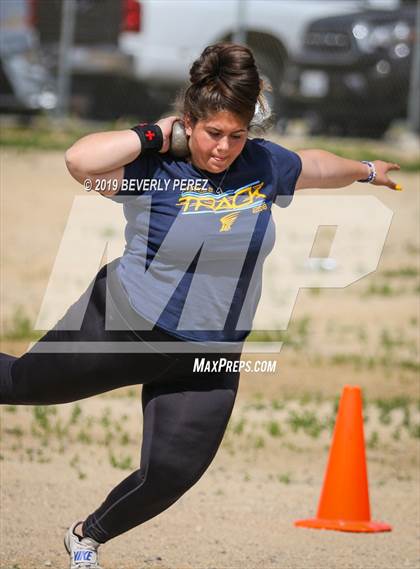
(130, 54)
(172, 34)
(100, 71)
(26, 87)
(352, 75)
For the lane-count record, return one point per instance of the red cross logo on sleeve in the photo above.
(150, 135)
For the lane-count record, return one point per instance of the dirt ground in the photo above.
(270, 467)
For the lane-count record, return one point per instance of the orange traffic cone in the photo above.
(344, 501)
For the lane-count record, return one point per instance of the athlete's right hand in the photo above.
(166, 126)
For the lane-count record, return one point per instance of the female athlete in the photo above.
(188, 284)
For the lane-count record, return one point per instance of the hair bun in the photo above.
(208, 67)
(223, 78)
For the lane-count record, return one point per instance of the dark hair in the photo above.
(224, 78)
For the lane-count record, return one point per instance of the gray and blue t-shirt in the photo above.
(193, 258)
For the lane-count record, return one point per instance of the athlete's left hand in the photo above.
(382, 179)
(166, 126)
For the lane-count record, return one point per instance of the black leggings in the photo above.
(184, 413)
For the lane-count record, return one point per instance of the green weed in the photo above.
(238, 428)
(21, 327)
(373, 440)
(274, 429)
(284, 478)
(125, 439)
(42, 417)
(405, 272)
(84, 437)
(389, 341)
(315, 291)
(105, 420)
(75, 463)
(108, 232)
(382, 290)
(356, 360)
(412, 249)
(415, 431)
(295, 337)
(277, 405)
(307, 421)
(15, 431)
(60, 430)
(30, 453)
(75, 414)
(307, 398)
(259, 442)
(407, 418)
(109, 437)
(409, 365)
(388, 405)
(388, 361)
(396, 434)
(123, 463)
(41, 458)
(257, 404)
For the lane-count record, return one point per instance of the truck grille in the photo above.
(330, 42)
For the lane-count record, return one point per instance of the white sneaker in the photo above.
(83, 552)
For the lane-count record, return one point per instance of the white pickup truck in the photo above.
(125, 49)
(172, 33)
